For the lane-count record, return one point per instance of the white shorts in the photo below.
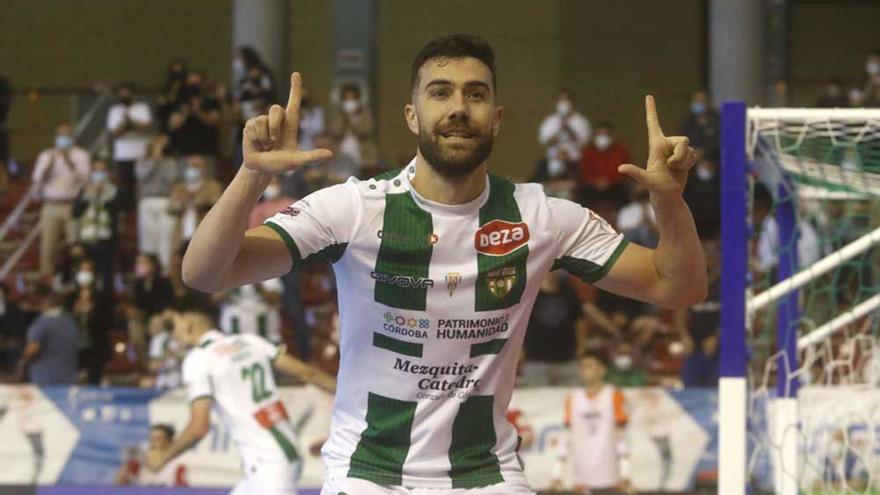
(354, 486)
(268, 478)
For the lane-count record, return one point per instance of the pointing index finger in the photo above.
(295, 92)
(654, 130)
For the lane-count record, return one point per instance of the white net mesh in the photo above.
(824, 166)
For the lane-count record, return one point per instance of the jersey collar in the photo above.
(470, 208)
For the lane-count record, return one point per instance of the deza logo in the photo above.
(500, 237)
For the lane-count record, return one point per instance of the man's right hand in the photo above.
(270, 142)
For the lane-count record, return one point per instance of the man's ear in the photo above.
(496, 123)
(412, 120)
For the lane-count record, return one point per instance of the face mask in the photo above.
(192, 174)
(555, 167)
(872, 68)
(272, 191)
(63, 141)
(350, 106)
(697, 108)
(623, 362)
(563, 107)
(705, 173)
(99, 176)
(603, 141)
(84, 278)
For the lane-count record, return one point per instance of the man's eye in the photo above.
(477, 95)
(439, 93)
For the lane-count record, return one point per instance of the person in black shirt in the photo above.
(152, 291)
(195, 125)
(552, 337)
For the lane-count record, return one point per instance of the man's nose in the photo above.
(458, 106)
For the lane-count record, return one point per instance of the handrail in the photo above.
(19, 251)
(18, 211)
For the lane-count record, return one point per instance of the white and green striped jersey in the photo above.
(236, 371)
(433, 301)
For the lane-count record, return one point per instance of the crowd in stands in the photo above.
(114, 228)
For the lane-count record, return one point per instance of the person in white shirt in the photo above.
(565, 132)
(233, 374)
(59, 175)
(596, 417)
(129, 123)
(253, 309)
(437, 267)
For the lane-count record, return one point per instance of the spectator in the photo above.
(596, 419)
(871, 88)
(192, 197)
(351, 124)
(599, 163)
(129, 123)
(271, 202)
(50, 355)
(564, 132)
(92, 310)
(626, 368)
(165, 354)
(318, 175)
(636, 219)
(250, 72)
(703, 194)
(767, 229)
(59, 175)
(135, 472)
(558, 176)
(156, 174)
(554, 335)
(14, 321)
(95, 210)
(194, 126)
(702, 125)
(253, 309)
(833, 97)
(311, 121)
(172, 92)
(700, 369)
(152, 291)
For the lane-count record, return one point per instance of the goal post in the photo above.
(800, 294)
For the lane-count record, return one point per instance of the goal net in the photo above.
(803, 268)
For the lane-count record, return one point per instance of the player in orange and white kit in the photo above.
(596, 420)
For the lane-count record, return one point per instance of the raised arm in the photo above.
(223, 253)
(674, 274)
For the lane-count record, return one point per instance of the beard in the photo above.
(454, 161)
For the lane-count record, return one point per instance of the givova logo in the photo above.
(403, 281)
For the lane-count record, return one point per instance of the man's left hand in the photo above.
(669, 159)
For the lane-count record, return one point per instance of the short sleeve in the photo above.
(196, 375)
(115, 117)
(588, 246)
(319, 225)
(37, 331)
